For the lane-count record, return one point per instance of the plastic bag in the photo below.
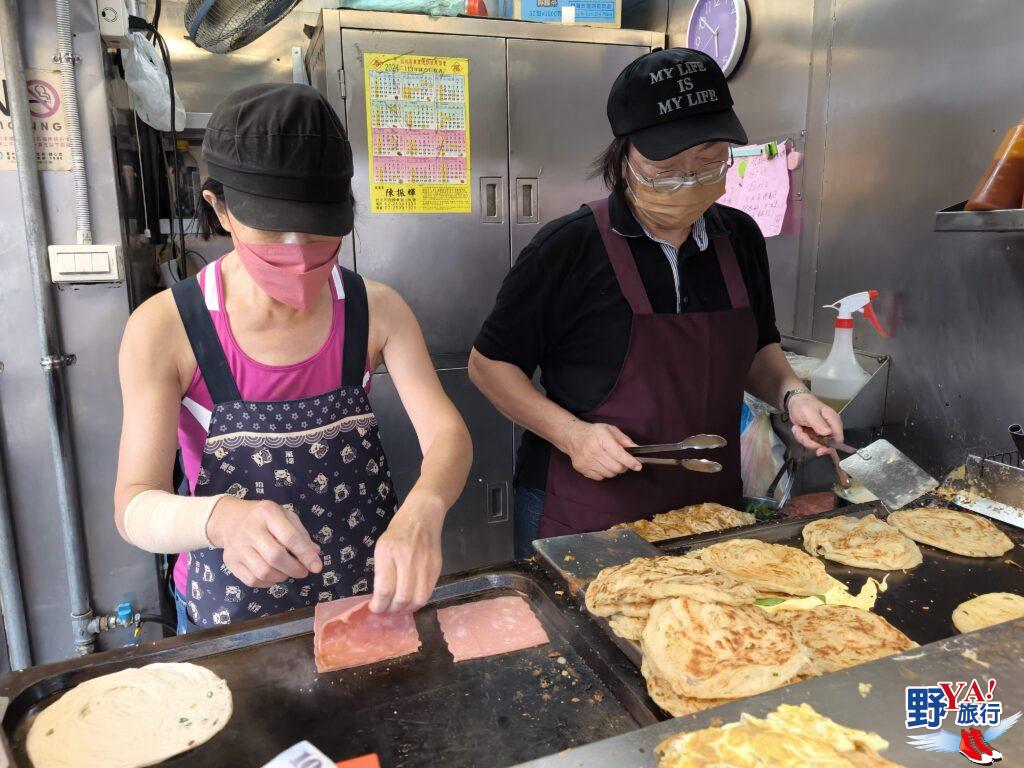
(146, 78)
(761, 451)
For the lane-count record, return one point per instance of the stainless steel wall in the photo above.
(903, 104)
(770, 90)
(919, 94)
(92, 319)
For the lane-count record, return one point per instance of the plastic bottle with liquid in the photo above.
(1002, 184)
(840, 377)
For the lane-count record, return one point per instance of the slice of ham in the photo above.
(346, 634)
(810, 504)
(490, 627)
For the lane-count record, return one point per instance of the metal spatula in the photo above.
(887, 472)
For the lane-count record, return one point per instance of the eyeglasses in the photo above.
(670, 181)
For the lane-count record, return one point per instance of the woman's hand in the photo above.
(263, 543)
(814, 423)
(407, 559)
(598, 451)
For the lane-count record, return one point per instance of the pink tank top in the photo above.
(256, 382)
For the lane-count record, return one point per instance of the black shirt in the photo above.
(560, 307)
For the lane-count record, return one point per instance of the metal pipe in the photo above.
(69, 86)
(11, 599)
(54, 361)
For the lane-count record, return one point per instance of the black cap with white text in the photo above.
(670, 100)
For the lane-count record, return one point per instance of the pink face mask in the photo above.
(292, 273)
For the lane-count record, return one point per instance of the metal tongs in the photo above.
(695, 443)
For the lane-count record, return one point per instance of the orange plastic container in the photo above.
(1002, 184)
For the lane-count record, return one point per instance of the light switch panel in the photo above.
(85, 263)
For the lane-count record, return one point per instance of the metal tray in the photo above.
(920, 601)
(421, 710)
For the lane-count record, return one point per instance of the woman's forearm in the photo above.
(771, 376)
(445, 467)
(512, 393)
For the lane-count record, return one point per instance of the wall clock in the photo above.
(720, 28)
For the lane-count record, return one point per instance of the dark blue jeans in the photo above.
(181, 606)
(528, 511)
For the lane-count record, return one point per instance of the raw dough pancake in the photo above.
(490, 627)
(789, 737)
(688, 521)
(957, 532)
(987, 610)
(769, 568)
(866, 542)
(666, 698)
(630, 588)
(837, 636)
(717, 651)
(346, 634)
(132, 718)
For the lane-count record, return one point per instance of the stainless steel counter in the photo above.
(997, 653)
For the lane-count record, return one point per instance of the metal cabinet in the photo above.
(537, 119)
(444, 265)
(557, 126)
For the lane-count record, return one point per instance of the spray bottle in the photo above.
(840, 377)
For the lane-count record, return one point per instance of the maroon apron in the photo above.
(684, 374)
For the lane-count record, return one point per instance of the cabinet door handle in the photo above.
(490, 200)
(526, 202)
(497, 502)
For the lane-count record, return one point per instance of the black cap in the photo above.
(284, 159)
(670, 100)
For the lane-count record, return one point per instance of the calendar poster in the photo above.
(417, 124)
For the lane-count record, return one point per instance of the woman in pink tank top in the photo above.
(259, 368)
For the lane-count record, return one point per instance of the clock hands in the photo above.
(714, 34)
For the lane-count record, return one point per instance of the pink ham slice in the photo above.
(346, 634)
(490, 627)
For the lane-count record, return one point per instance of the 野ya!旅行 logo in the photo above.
(976, 719)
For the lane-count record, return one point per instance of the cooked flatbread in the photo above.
(665, 697)
(769, 568)
(866, 542)
(957, 532)
(630, 588)
(718, 651)
(987, 610)
(628, 627)
(789, 737)
(689, 521)
(132, 718)
(837, 636)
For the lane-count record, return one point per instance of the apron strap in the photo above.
(206, 346)
(621, 257)
(357, 329)
(730, 266)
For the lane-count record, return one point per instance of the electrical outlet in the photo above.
(85, 263)
(113, 22)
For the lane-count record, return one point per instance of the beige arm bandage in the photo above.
(162, 522)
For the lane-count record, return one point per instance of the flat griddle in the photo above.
(420, 710)
(919, 602)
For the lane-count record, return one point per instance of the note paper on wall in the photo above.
(760, 187)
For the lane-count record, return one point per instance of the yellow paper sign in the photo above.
(417, 126)
(46, 106)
